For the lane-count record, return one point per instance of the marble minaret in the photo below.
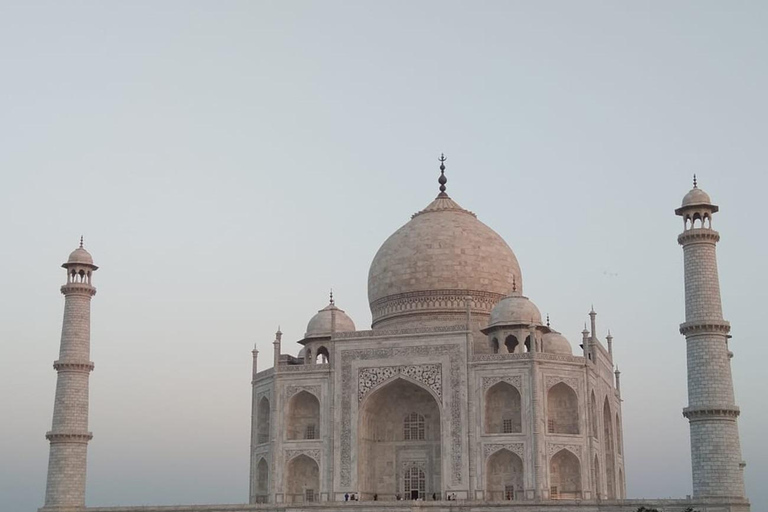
(69, 435)
(711, 411)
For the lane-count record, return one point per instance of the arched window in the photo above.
(503, 409)
(495, 345)
(528, 344)
(511, 342)
(413, 427)
(593, 414)
(562, 410)
(503, 476)
(618, 434)
(414, 481)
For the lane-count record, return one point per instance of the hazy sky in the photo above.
(229, 162)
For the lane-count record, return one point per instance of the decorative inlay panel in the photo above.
(292, 390)
(428, 374)
(453, 390)
(517, 448)
(398, 332)
(515, 380)
(313, 454)
(572, 382)
(533, 356)
(573, 448)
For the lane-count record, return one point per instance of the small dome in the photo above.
(555, 343)
(514, 310)
(302, 353)
(80, 257)
(322, 324)
(696, 197)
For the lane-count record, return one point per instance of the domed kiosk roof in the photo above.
(514, 310)
(442, 255)
(80, 257)
(328, 320)
(696, 198)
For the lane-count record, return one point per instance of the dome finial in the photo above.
(81, 241)
(547, 319)
(695, 185)
(514, 283)
(442, 180)
(332, 303)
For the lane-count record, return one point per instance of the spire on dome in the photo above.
(547, 319)
(442, 180)
(695, 185)
(332, 302)
(81, 241)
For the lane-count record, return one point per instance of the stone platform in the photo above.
(666, 505)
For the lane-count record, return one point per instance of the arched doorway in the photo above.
(262, 481)
(596, 477)
(503, 409)
(322, 356)
(302, 480)
(503, 476)
(564, 476)
(303, 421)
(398, 436)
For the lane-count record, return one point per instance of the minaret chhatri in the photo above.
(711, 411)
(69, 434)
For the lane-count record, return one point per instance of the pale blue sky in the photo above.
(228, 162)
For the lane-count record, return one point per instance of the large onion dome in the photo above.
(423, 273)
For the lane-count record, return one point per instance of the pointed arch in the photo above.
(596, 477)
(562, 410)
(565, 476)
(503, 409)
(610, 461)
(495, 345)
(593, 414)
(511, 343)
(322, 355)
(263, 413)
(618, 435)
(302, 479)
(303, 416)
(503, 476)
(262, 481)
(399, 427)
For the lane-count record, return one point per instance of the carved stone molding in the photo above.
(84, 367)
(698, 235)
(313, 454)
(556, 447)
(705, 327)
(411, 302)
(317, 367)
(571, 382)
(515, 380)
(453, 390)
(69, 437)
(705, 413)
(264, 394)
(292, 390)
(517, 448)
(398, 332)
(529, 356)
(369, 379)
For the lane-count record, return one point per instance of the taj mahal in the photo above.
(459, 397)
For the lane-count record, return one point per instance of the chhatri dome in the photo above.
(425, 270)
(329, 320)
(80, 257)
